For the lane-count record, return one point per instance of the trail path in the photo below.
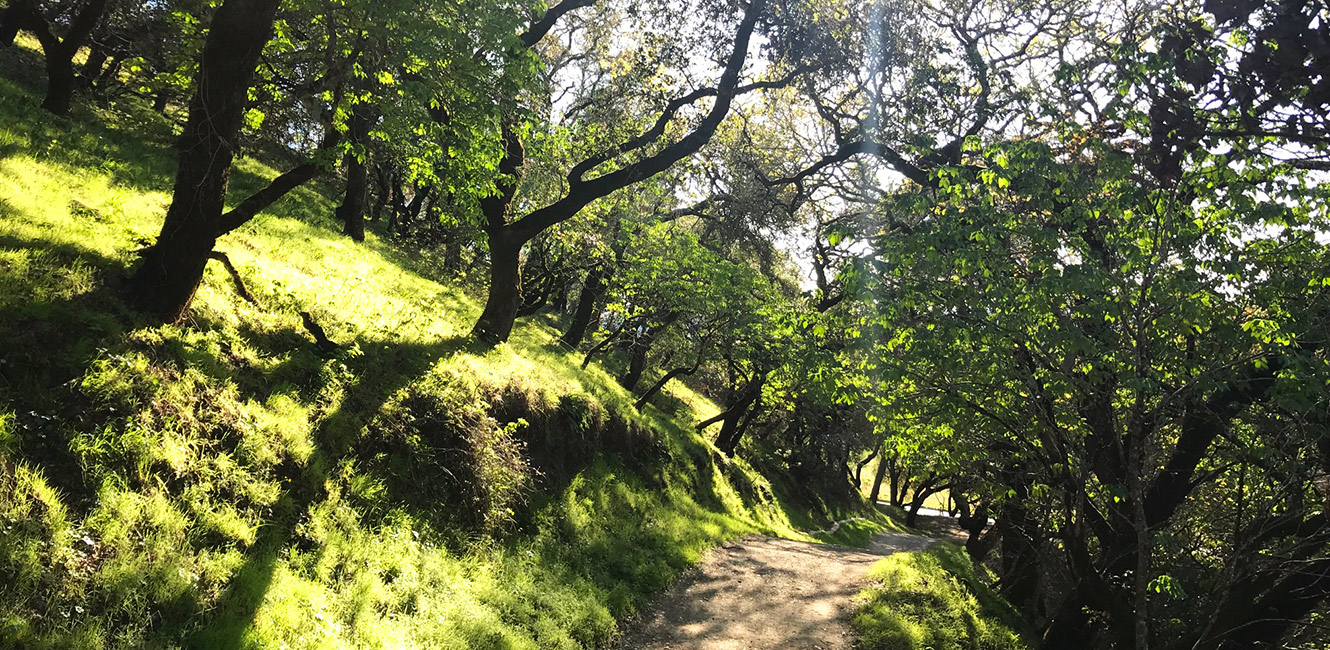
(762, 593)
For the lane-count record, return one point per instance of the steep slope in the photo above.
(228, 483)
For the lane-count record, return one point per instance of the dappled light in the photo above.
(689, 324)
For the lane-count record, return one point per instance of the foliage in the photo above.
(220, 484)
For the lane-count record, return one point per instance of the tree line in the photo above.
(1062, 263)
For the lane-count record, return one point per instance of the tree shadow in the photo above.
(56, 323)
(238, 607)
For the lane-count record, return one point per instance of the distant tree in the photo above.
(61, 30)
(620, 165)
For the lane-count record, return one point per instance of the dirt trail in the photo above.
(761, 592)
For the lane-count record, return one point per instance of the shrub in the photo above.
(442, 451)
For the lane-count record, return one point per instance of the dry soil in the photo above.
(762, 593)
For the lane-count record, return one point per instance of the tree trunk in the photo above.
(592, 290)
(505, 290)
(900, 484)
(160, 100)
(637, 351)
(9, 24)
(735, 419)
(973, 521)
(1020, 554)
(110, 74)
(262, 199)
(859, 469)
(733, 428)
(604, 343)
(58, 52)
(877, 478)
(926, 489)
(637, 361)
(352, 210)
(497, 321)
(172, 267)
(383, 192)
(655, 388)
(59, 82)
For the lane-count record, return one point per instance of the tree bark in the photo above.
(1020, 553)
(262, 199)
(859, 468)
(926, 489)
(496, 321)
(170, 271)
(592, 290)
(735, 418)
(383, 192)
(352, 210)
(877, 478)
(505, 294)
(637, 351)
(109, 74)
(637, 361)
(59, 83)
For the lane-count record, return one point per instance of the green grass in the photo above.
(222, 484)
(933, 600)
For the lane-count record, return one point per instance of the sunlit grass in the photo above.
(933, 600)
(223, 484)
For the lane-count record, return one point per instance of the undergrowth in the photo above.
(933, 600)
(225, 484)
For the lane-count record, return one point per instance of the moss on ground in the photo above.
(223, 484)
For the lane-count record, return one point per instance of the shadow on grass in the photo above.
(382, 371)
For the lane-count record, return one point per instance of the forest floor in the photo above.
(762, 592)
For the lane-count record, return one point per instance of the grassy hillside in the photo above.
(225, 484)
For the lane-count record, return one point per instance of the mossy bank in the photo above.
(228, 483)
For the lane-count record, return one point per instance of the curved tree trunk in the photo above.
(859, 468)
(260, 200)
(170, 271)
(637, 361)
(733, 428)
(660, 383)
(736, 417)
(927, 488)
(592, 290)
(637, 351)
(1020, 554)
(496, 322)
